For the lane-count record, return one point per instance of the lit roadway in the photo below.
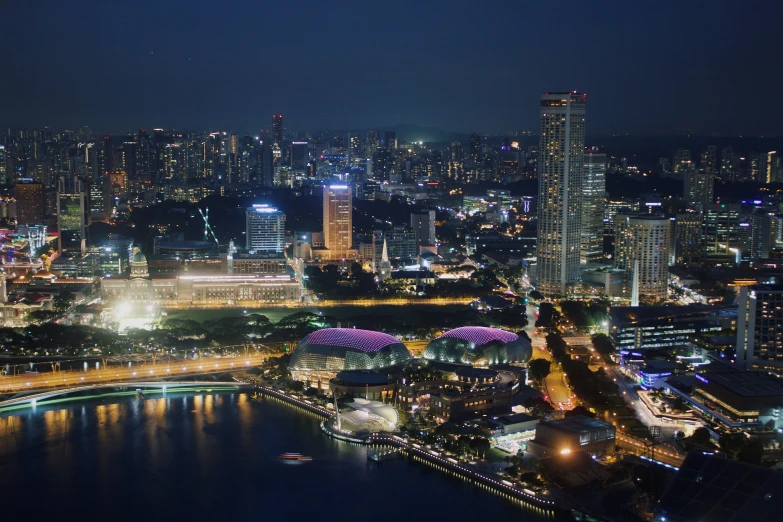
(161, 370)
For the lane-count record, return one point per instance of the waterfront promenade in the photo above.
(428, 456)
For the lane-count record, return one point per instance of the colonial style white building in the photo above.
(217, 289)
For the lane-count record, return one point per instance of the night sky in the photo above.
(648, 67)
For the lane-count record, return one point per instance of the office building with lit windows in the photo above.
(338, 224)
(593, 203)
(264, 229)
(642, 244)
(687, 238)
(560, 185)
(30, 199)
(73, 217)
(721, 235)
(760, 326)
(668, 327)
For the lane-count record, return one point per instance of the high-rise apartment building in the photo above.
(729, 165)
(593, 205)
(698, 188)
(709, 160)
(338, 221)
(264, 230)
(682, 161)
(560, 185)
(760, 326)
(277, 128)
(642, 243)
(30, 203)
(423, 225)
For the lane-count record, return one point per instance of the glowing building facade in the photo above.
(560, 186)
(479, 345)
(324, 353)
(338, 222)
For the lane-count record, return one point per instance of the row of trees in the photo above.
(590, 387)
(357, 282)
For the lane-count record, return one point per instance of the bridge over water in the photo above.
(27, 383)
(159, 386)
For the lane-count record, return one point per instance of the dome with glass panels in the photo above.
(323, 353)
(479, 345)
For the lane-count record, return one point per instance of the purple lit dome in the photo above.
(338, 349)
(364, 340)
(480, 345)
(481, 334)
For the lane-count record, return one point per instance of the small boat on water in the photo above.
(139, 394)
(298, 457)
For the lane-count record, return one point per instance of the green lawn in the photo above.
(340, 312)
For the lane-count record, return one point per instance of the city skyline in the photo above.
(647, 71)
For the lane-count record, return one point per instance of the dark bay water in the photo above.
(212, 457)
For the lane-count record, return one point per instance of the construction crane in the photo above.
(207, 228)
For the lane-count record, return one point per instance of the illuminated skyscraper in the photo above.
(30, 203)
(72, 216)
(642, 243)
(687, 238)
(722, 238)
(338, 220)
(277, 128)
(357, 150)
(560, 185)
(593, 203)
(264, 229)
(760, 326)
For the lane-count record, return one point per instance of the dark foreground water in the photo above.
(212, 457)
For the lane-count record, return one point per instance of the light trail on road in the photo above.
(161, 370)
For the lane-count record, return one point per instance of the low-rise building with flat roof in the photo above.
(508, 424)
(735, 399)
(573, 434)
(457, 406)
(635, 327)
